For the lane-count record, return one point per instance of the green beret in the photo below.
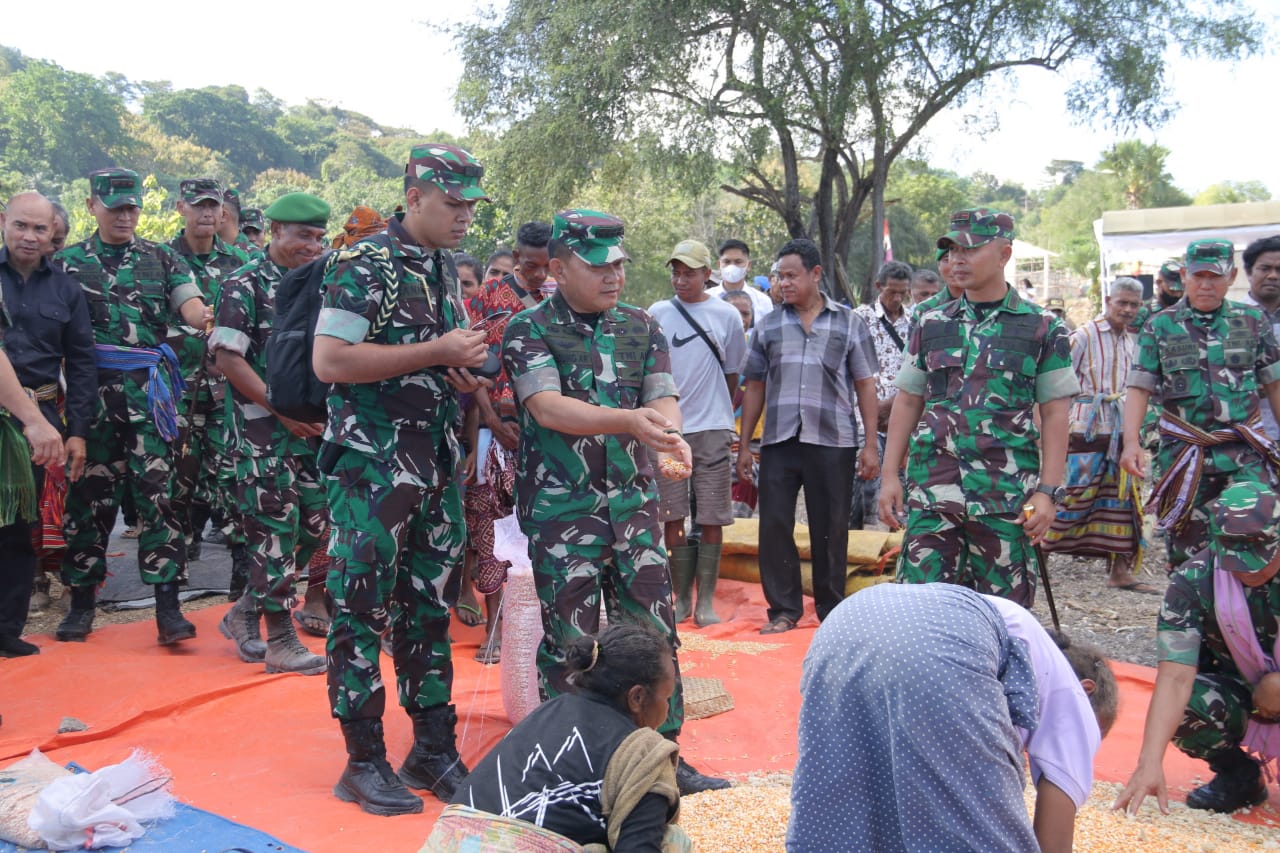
(299, 207)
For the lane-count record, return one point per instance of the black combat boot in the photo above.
(368, 779)
(239, 571)
(78, 623)
(683, 559)
(1237, 783)
(241, 625)
(707, 573)
(434, 763)
(172, 625)
(689, 780)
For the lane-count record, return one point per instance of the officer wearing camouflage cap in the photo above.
(203, 457)
(133, 287)
(592, 378)
(279, 497)
(254, 226)
(1209, 358)
(983, 482)
(1217, 693)
(393, 338)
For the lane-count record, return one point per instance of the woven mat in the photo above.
(705, 697)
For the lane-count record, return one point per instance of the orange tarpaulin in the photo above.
(262, 749)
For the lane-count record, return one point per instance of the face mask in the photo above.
(733, 274)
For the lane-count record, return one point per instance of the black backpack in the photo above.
(293, 389)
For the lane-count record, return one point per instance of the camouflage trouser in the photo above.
(122, 456)
(284, 509)
(395, 547)
(196, 488)
(1216, 716)
(633, 580)
(1194, 535)
(986, 553)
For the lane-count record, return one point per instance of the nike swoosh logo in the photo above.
(678, 341)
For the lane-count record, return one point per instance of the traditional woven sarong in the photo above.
(17, 485)
(1102, 513)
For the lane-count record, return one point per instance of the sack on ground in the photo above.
(106, 808)
(20, 786)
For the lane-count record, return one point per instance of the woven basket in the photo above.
(705, 697)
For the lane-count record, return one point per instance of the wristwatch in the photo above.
(1056, 493)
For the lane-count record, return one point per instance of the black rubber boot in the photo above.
(241, 624)
(78, 623)
(1237, 783)
(368, 780)
(171, 624)
(433, 763)
(707, 574)
(239, 571)
(285, 652)
(683, 560)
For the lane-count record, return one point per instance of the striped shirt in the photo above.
(1101, 358)
(809, 376)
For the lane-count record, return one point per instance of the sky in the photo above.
(312, 51)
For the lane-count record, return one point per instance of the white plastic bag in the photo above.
(104, 808)
(521, 621)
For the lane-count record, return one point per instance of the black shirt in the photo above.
(44, 321)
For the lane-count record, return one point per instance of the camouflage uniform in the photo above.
(396, 508)
(1209, 369)
(975, 459)
(280, 499)
(1190, 629)
(202, 456)
(131, 290)
(588, 503)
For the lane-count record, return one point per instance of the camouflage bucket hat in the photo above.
(199, 189)
(1214, 255)
(593, 236)
(1171, 272)
(116, 187)
(450, 168)
(1242, 527)
(252, 218)
(977, 226)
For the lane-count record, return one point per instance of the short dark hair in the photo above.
(1089, 661)
(463, 259)
(61, 214)
(1257, 248)
(893, 269)
(805, 248)
(734, 244)
(926, 275)
(740, 296)
(621, 656)
(497, 256)
(533, 235)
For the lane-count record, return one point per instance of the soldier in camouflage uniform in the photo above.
(1169, 290)
(393, 477)
(133, 287)
(592, 379)
(253, 225)
(1208, 358)
(201, 447)
(281, 500)
(1217, 692)
(975, 369)
(229, 225)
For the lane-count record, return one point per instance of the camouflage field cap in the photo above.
(450, 168)
(1242, 527)
(199, 189)
(251, 219)
(1055, 303)
(1171, 272)
(593, 236)
(692, 253)
(977, 226)
(1218, 256)
(299, 207)
(231, 196)
(116, 187)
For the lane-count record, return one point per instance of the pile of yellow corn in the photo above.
(752, 816)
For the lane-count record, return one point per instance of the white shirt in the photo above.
(761, 304)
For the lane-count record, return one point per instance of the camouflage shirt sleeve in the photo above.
(1268, 363)
(182, 284)
(1055, 375)
(528, 359)
(1180, 628)
(1145, 372)
(352, 294)
(658, 381)
(235, 316)
(911, 376)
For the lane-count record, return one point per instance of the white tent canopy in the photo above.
(1024, 252)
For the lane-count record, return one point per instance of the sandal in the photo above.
(311, 623)
(469, 614)
(130, 533)
(779, 626)
(487, 654)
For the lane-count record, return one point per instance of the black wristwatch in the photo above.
(1057, 494)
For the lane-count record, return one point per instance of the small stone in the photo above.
(71, 724)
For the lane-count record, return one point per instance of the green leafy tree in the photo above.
(160, 219)
(1140, 170)
(1233, 192)
(845, 87)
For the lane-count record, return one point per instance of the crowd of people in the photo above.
(625, 440)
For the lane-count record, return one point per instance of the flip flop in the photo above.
(1139, 587)
(469, 615)
(316, 626)
(487, 655)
